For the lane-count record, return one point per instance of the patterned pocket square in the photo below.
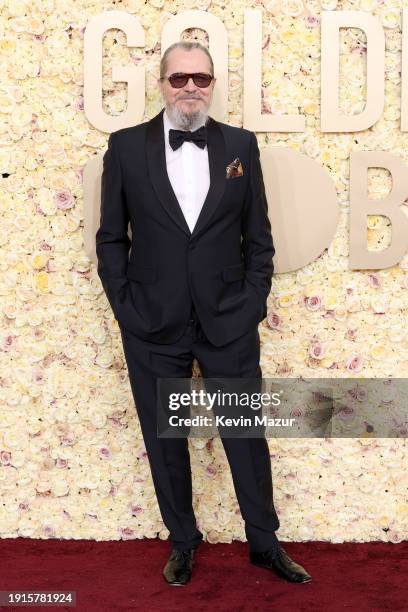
(234, 169)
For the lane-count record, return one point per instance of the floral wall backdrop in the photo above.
(72, 459)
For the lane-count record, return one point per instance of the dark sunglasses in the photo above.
(180, 79)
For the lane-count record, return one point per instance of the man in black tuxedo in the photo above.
(195, 285)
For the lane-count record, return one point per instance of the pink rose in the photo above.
(312, 21)
(49, 531)
(64, 200)
(374, 280)
(317, 350)
(104, 452)
(313, 302)
(211, 470)
(274, 320)
(354, 363)
(7, 342)
(395, 536)
(79, 103)
(283, 369)
(5, 457)
(68, 439)
(127, 533)
(351, 334)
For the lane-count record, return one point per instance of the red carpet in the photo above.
(126, 575)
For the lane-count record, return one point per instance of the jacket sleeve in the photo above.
(257, 243)
(112, 240)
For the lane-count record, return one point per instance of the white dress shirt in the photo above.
(189, 174)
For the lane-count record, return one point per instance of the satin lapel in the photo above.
(156, 162)
(217, 163)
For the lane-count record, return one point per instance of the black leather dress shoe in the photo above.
(281, 564)
(177, 570)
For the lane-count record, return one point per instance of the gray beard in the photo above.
(186, 121)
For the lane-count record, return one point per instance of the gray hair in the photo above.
(187, 46)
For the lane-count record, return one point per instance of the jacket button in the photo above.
(191, 245)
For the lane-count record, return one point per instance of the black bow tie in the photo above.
(177, 137)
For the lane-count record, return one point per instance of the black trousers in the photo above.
(169, 458)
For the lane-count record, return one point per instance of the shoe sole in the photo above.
(176, 583)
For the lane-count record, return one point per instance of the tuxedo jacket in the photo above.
(224, 266)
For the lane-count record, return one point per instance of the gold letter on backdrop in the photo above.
(361, 206)
(332, 21)
(133, 75)
(302, 204)
(253, 118)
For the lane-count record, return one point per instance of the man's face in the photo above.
(190, 99)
